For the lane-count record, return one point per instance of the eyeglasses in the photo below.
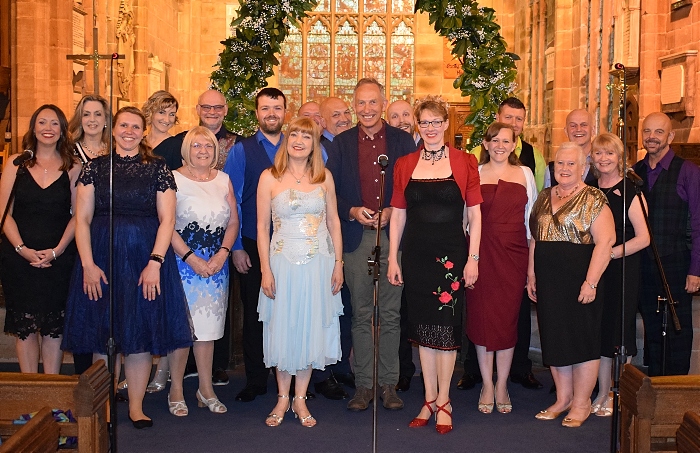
(207, 108)
(207, 146)
(434, 123)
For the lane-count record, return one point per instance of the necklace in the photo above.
(197, 177)
(556, 192)
(87, 148)
(298, 180)
(435, 156)
(607, 191)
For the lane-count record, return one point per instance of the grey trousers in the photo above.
(362, 296)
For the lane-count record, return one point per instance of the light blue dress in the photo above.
(300, 326)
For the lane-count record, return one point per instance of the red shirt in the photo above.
(464, 169)
(368, 152)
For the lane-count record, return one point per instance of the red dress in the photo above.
(494, 303)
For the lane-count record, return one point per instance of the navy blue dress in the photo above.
(158, 326)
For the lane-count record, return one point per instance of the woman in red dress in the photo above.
(508, 190)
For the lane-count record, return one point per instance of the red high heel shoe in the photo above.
(443, 429)
(420, 422)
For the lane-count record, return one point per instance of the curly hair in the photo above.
(160, 100)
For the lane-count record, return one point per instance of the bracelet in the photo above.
(340, 261)
(228, 250)
(590, 284)
(19, 247)
(612, 255)
(53, 252)
(474, 257)
(187, 255)
(158, 258)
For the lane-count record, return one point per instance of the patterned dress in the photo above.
(300, 325)
(202, 215)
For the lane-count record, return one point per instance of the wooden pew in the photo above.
(652, 409)
(39, 435)
(85, 395)
(688, 434)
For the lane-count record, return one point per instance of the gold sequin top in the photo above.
(299, 226)
(572, 222)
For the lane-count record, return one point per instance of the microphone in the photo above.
(619, 66)
(383, 161)
(635, 178)
(22, 158)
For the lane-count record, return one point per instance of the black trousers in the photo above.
(406, 366)
(521, 362)
(343, 366)
(255, 371)
(678, 344)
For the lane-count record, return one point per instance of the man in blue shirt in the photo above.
(249, 158)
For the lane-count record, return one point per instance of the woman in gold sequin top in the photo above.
(572, 236)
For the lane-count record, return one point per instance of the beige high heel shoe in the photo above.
(213, 404)
(273, 419)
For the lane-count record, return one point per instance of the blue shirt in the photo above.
(235, 169)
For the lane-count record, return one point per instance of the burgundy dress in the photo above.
(494, 303)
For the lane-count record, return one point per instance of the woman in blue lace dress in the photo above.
(302, 267)
(150, 310)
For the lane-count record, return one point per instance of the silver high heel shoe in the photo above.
(213, 404)
(159, 381)
(309, 421)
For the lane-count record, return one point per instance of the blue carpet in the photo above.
(242, 428)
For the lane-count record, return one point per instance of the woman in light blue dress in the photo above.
(206, 225)
(302, 267)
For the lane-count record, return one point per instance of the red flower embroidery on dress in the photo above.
(446, 298)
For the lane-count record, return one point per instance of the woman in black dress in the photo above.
(607, 154)
(37, 253)
(572, 235)
(436, 191)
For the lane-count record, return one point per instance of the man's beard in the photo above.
(271, 130)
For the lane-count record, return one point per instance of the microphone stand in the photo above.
(374, 270)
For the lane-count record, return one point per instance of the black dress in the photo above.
(610, 334)
(432, 262)
(36, 297)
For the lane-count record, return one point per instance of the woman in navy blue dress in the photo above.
(150, 311)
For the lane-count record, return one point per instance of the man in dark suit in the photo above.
(352, 159)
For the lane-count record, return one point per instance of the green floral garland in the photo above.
(488, 69)
(248, 58)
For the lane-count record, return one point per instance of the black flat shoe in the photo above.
(249, 393)
(527, 380)
(141, 424)
(331, 389)
(345, 379)
(219, 377)
(468, 381)
(404, 384)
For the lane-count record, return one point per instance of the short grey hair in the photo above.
(572, 145)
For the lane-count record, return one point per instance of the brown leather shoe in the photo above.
(390, 398)
(363, 396)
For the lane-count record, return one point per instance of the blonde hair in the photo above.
(199, 131)
(317, 170)
(609, 142)
(75, 126)
(160, 100)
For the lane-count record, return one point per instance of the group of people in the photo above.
(482, 232)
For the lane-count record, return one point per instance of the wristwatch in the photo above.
(476, 257)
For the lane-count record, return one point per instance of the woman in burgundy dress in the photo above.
(508, 190)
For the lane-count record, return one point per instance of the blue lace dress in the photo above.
(140, 325)
(300, 326)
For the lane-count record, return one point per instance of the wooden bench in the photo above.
(85, 395)
(688, 434)
(651, 409)
(39, 435)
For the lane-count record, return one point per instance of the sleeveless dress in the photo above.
(433, 259)
(300, 326)
(36, 298)
(610, 333)
(494, 303)
(569, 330)
(158, 326)
(201, 218)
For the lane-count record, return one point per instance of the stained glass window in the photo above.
(342, 41)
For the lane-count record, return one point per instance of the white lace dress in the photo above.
(300, 326)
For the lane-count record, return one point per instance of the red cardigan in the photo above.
(464, 169)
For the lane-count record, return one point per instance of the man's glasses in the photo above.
(207, 108)
(434, 123)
